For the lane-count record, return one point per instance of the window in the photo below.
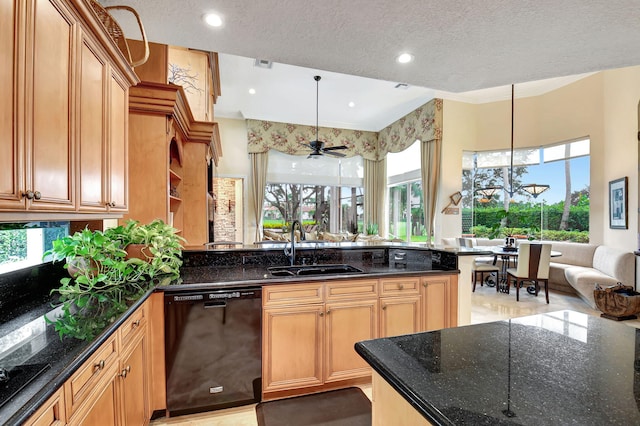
(406, 211)
(560, 212)
(22, 244)
(325, 191)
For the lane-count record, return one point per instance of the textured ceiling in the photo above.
(459, 45)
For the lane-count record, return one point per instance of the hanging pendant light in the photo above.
(532, 188)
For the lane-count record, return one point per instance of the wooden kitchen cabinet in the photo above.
(103, 141)
(168, 161)
(52, 412)
(309, 329)
(112, 386)
(439, 302)
(306, 339)
(400, 315)
(291, 357)
(57, 60)
(346, 323)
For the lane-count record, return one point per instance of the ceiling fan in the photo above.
(317, 146)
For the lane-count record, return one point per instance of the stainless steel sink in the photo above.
(283, 271)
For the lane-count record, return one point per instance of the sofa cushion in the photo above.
(584, 281)
(616, 263)
(577, 254)
(557, 273)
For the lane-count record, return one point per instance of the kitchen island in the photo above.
(549, 369)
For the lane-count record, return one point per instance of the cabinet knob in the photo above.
(401, 286)
(321, 314)
(328, 311)
(384, 307)
(112, 204)
(37, 195)
(135, 324)
(99, 365)
(123, 373)
(29, 195)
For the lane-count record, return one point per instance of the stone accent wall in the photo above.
(224, 190)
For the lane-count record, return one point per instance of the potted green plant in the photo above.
(104, 279)
(156, 243)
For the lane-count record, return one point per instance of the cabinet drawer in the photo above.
(358, 289)
(133, 326)
(399, 286)
(51, 413)
(291, 294)
(90, 374)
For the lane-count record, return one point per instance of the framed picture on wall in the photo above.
(618, 204)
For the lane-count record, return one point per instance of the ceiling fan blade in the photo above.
(331, 148)
(335, 154)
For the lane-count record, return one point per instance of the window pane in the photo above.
(398, 212)
(417, 213)
(24, 244)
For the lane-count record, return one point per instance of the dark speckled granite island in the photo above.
(550, 369)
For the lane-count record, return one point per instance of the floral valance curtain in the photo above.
(289, 138)
(424, 123)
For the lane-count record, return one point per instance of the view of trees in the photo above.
(567, 219)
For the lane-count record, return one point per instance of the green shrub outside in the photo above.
(13, 245)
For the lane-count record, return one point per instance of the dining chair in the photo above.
(483, 268)
(533, 266)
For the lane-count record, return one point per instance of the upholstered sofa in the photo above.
(580, 266)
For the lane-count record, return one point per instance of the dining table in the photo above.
(509, 258)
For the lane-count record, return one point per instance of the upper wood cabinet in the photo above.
(66, 110)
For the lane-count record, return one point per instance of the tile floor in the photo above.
(487, 305)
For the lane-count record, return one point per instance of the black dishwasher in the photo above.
(213, 349)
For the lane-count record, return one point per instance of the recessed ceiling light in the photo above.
(352, 104)
(213, 19)
(404, 58)
(252, 91)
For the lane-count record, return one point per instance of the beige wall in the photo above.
(235, 163)
(603, 106)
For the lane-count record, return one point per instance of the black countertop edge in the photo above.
(66, 370)
(275, 280)
(428, 411)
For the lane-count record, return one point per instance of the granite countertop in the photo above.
(63, 357)
(202, 270)
(549, 369)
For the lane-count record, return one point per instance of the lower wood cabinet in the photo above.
(52, 412)
(111, 387)
(309, 329)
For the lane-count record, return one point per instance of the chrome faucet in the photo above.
(291, 253)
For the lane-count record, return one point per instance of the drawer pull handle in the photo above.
(99, 365)
(135, 324)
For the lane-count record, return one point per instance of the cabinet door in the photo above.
(91, 139)
(348, 323)
(117, 152)
(133, 377)
(51, 413)
(292, 347)
(400, 315)
(435, 301)
(12, 99)
(49, 149)
(101, 409)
